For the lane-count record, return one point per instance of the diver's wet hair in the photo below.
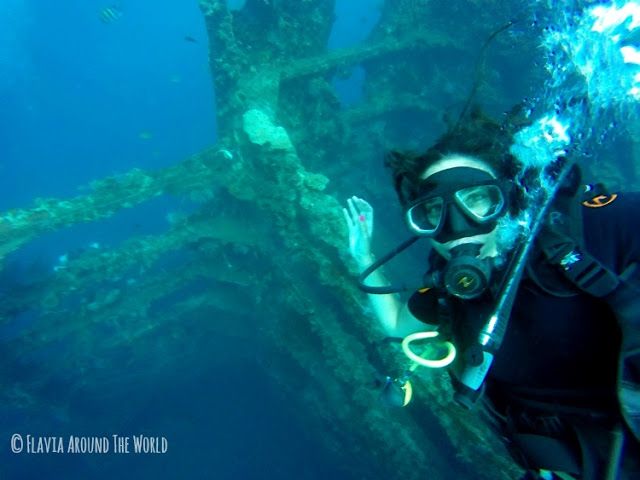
(475, 135)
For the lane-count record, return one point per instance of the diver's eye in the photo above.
(424, 217)
(479, 203)
(482, 201)
(433, 211)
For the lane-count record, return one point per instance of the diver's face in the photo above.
(461, 221)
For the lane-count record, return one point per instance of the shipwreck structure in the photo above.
(270, 223)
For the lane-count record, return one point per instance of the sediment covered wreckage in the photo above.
(269, 236)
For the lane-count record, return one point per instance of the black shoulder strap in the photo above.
(562, 244)
(578, 266)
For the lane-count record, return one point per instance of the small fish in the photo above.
(110, 14)
(189, 38)
(145, 135)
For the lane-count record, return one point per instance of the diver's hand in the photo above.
(359, 218)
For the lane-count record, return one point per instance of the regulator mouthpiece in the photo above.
(466, 276)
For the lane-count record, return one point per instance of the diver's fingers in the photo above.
(364, 206)
(364, 227)
(365, 215)
(361, 206)
(347, 218)
(352, 208)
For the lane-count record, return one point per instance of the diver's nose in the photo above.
(455, 221)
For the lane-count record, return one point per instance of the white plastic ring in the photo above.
(425, 362)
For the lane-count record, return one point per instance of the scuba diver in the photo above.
(562, 387)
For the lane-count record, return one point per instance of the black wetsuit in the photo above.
(559, 357)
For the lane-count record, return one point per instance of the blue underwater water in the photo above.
(82, 99)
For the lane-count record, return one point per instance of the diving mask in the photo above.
(455, 203)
